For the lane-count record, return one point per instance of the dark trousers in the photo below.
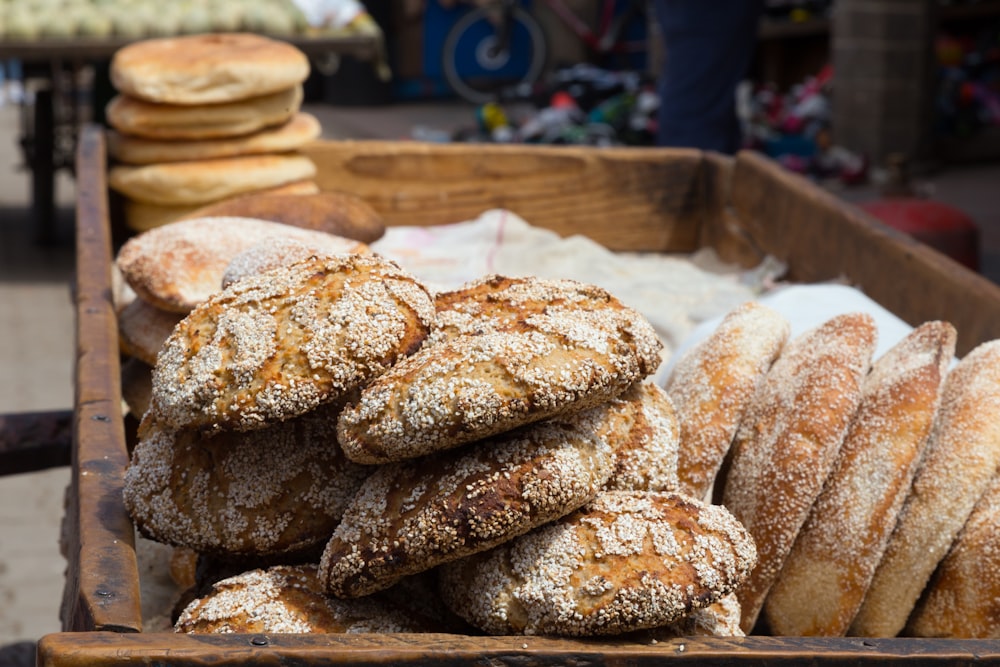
(708, 46)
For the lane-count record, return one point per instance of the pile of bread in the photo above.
(202, 118)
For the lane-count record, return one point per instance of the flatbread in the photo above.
(203, 181)
(207, 68)
(291, 135)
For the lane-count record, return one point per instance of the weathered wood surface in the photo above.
(627, 199)
(31, 441)
(109, 649)
(102, 582)
(823, 238)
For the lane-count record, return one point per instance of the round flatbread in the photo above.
(141, 128)
(626, 561)
(204, 181)
(291, 135)
(207, 68)
(143, 328)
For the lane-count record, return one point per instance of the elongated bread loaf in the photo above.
(828, 570)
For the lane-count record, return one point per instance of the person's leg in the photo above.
(708, 47)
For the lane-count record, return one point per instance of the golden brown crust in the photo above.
(276, 345)
(963, 598)
(272, 491)
(143, 130)
(286, 135)
(289, 599)
(178, 266)
(411, 516)
(712, 384)
(205, 181)
(333, 212)
(143, 328)
(960, 458)
(641, 428)
(828, 570)
(208, 68)
(789, 438)
(627, 560)
(530, 361)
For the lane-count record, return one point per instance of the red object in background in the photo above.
(940, 226)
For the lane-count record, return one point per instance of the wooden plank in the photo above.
(102, 584)
(109, 650)
(31, 441)
(626, 199)
(823, 238)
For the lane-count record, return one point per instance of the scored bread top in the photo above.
(275, 345)
(625, 561)
(959, 460)
(150, 130)
(711, 386)
(530, 362)
(828, 570)
(289, 599)
(789, 439)
(207, 68)
(179, 265)
(274, 491)
(411, 516)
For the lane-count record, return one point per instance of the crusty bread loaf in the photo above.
(272, 491)
(143, 132)
(142, 329)
(960, 459)
(286, 136)
(828, 570)
(207, 68)
(641, 428)
(142, 216)
(627, 560)
(276, 345)
(178, 266)
(789, 438)
(289, 599)
(711, 387)
(523, 368)
(337, 213)
(963, 598)
(411, 516)
(205, 181)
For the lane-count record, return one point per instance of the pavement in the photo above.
(37, 340)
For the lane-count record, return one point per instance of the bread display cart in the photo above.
(660, 200)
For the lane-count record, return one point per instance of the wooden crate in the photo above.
(628, 199)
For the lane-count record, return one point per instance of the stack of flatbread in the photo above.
(202, 118)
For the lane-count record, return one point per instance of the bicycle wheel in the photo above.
(475, 66)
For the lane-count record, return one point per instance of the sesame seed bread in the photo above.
(180, 265)
(142, 329)
(411, 516)
(142, 216)
(289, 599)
(141, 130)
(521, 369)
(207, 68)
(641, 428)
(711, 386)
(276, 345)
(959, 461)
(265, 256)
(789, 438)
(283, 137)
(828, 570)
(627, 560)
(963, 598)
(337, 213)
(719, 619)
(273, 491)
(205, 181)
